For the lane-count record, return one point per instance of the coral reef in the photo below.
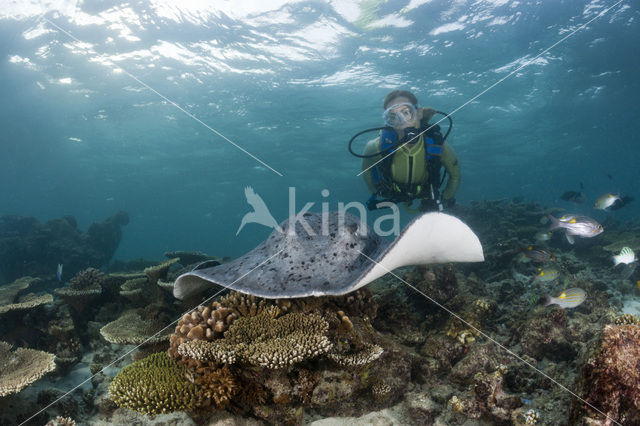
(610, 378)
(27, 302)
(160, 271)
(466, 331)
(367, 353)
(133, 289)
(85, 286)
(131, 329)
(28, 247)
(61, 421)
(155, 385)
(218, 386)
(190, 257)
(627, 319)
(547, 335)
(386, 348)
(20, 368)
(265, 341)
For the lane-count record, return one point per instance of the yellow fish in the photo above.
(567, 299)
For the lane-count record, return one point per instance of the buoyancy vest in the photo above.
(413, 170)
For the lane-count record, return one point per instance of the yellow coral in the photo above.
(155, 385)
(217, 385)
(456, 404)
(627, 319)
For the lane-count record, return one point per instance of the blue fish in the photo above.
(59, 272)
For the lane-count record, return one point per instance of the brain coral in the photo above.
(154, 385)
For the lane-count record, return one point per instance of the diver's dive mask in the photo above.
(398, 115)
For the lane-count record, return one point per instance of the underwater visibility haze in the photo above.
(136, 132)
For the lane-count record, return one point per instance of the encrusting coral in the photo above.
(155, 385)
(465, 333)
(610, 377)
(367, 353)
(20, 368)
(265, 341)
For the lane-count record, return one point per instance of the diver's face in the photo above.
(405, 115)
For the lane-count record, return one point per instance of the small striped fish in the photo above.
(567, 299)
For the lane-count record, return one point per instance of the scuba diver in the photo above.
(403, 163)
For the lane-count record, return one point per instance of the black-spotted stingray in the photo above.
(312, 258)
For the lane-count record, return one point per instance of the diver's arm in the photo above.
(449, 160)
(372, 147)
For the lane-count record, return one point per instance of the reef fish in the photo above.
(576, 197)
(546, 275)
(605, 201)
(333, 253)
(538, 254)
(567, 299)
(543, 236)
(574, 225)
(59, 272)
(626, 256)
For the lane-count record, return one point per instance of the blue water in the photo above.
(290, 82)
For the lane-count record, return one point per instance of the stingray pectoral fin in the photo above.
(430, 238)
(190, 284)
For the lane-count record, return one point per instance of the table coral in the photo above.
(20, 368)
(27, 302)
(85, 286)
(156, 272)
(131, 329)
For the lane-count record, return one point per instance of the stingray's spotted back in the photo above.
(312, 257)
